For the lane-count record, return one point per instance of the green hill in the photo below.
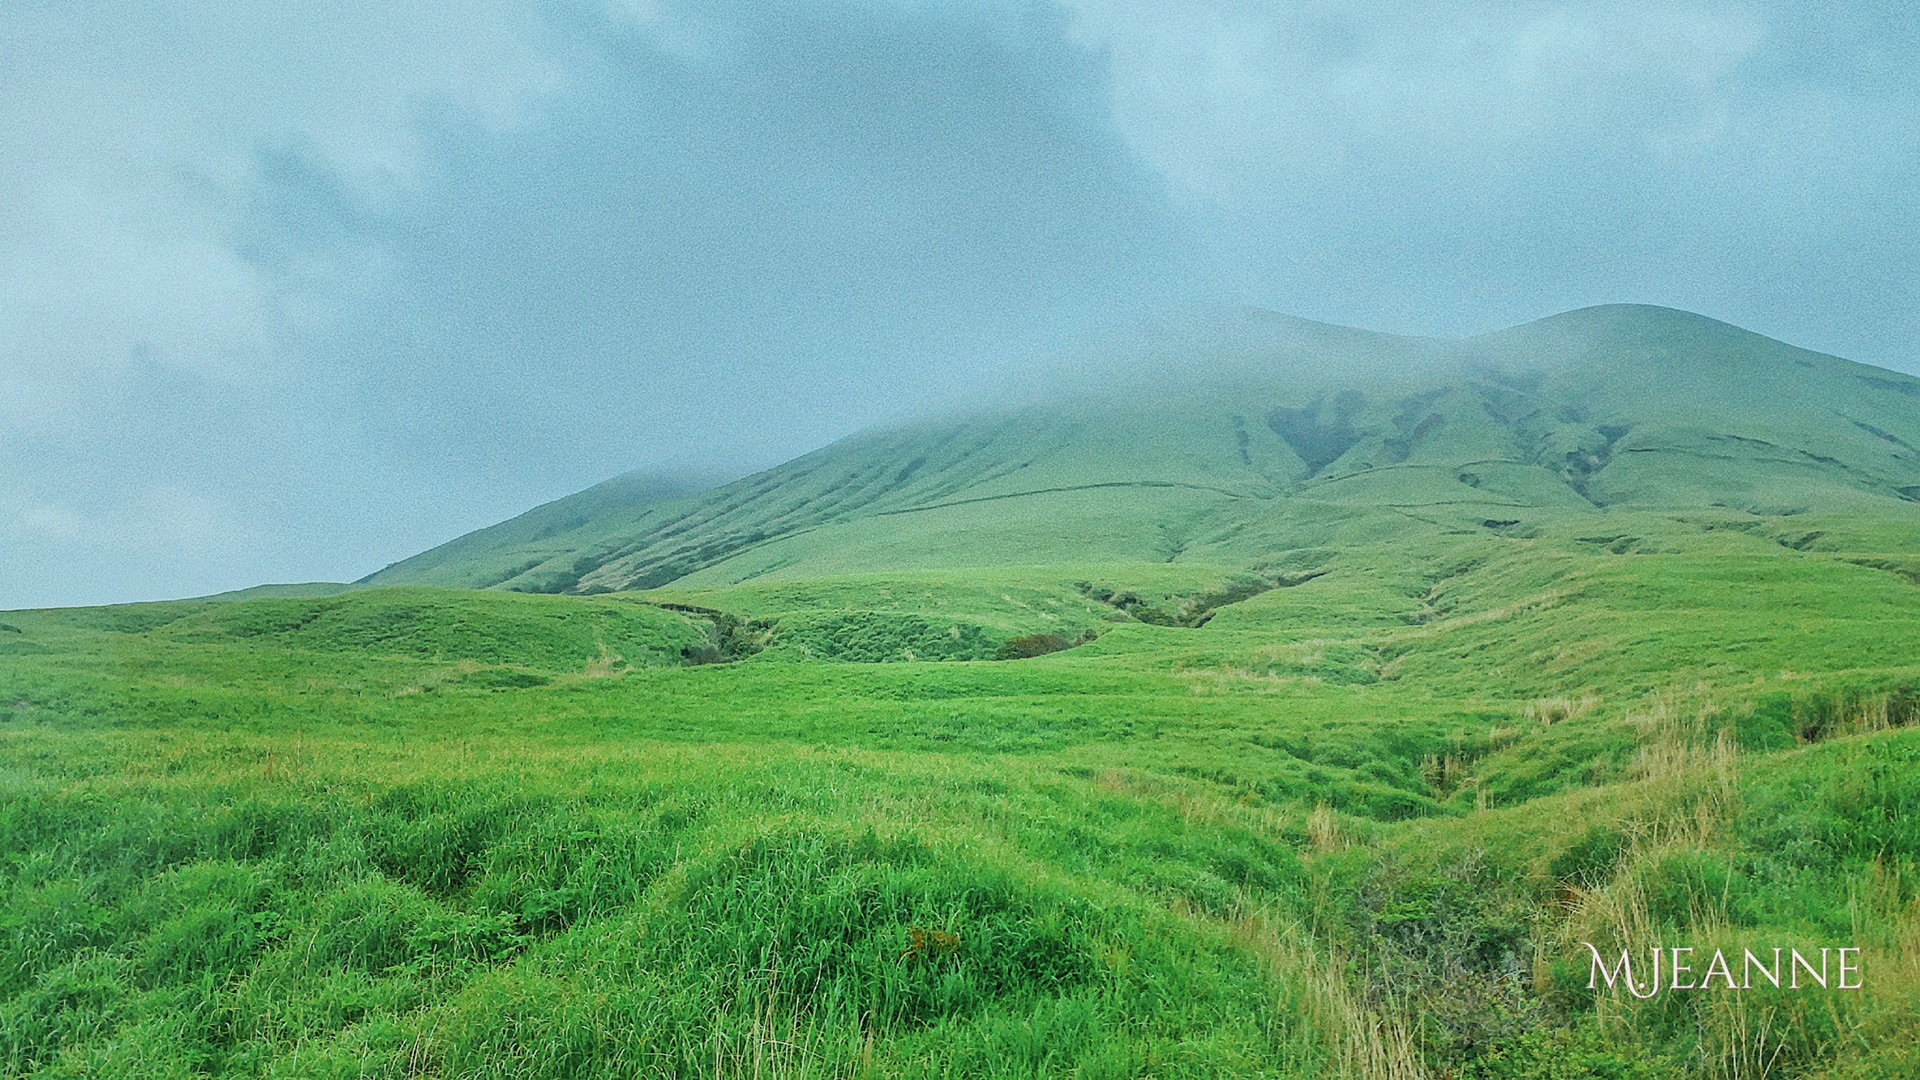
(1279, 434)
(541, 545)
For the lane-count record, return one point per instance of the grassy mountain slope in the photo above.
(1281, 430)
(539, 550)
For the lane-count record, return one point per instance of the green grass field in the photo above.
(1137, 768)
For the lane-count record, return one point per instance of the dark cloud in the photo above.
(732, 255)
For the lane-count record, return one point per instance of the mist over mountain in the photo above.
(1260, 434)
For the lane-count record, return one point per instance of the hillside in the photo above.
(1272, 434)
(527, 548)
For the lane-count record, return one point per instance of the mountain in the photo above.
(1261, 434)
(1264, 699)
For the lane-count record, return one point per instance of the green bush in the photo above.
(1563, 1054)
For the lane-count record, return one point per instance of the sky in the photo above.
(291, 291)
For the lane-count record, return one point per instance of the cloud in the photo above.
(1446, 167)
(1231, 99)
(378, 275)
(145, 120)
(51, 521)
(790, 219)
(345, 279)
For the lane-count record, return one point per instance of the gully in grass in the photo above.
(1839, 969)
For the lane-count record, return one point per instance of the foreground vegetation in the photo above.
(1352, 818)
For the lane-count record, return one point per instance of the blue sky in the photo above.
(288, 292)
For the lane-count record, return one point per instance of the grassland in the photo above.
(1346, 827)
(1059, 780)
